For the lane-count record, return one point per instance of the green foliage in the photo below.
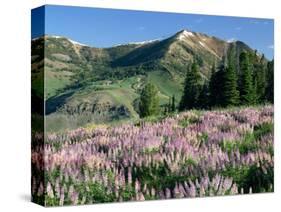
(98, 193)
(216, 86)
(173, 104)
(246, 81)
(230, 89)
(203, 138)
(253, 177)
(160, 177)
(204, 97)
(149, 101)
(260, 80)
(188, 121)
(247, 144)
(192, 88)
(250, 142)
(263, 129)
(269, 92)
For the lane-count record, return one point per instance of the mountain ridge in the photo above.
(132, 42)
(103, 84)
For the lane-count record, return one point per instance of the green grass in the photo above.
(167, 86)
(56, 81)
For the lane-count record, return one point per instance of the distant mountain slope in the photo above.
(87, 84)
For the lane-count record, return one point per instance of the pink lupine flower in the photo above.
(61, 198)
(112, 156)
(168, 193)
(137, 186)
(49, 190)
(40, 189)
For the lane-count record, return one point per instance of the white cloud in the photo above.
(238, 28)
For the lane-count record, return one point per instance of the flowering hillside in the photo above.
(192, 154)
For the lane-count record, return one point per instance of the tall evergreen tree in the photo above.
(230, 89)
(149, 101)
(270, 82)
(213, 87)
(204, 97)
(169, 105)
(246, 87)
(216, 86)
(261, 80)
(173, 105)
(192, 87)
(253, 66)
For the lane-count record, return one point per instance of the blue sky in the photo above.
(108, 27)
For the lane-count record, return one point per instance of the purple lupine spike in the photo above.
(137, 186)
(61, 197)
(168, 193)
(49, 190)
(106, 152)
(57, 187)
(40, 189)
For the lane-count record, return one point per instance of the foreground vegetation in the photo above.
(192, 154)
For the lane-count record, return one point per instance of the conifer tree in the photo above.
(149, 101)
(261, 80)
(254, 66)
(212, 87)
(216, 86)
(173, 105)
(192, 87)
(246, 87)
(230, 89)
(270, 82)
(204, 97)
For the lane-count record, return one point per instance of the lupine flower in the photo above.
(119, 158)
(50, 191)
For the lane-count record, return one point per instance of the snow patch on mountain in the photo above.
(56, 36)
(138, 42)
(144, 42)
(76, 43)
(71, 41)
(184, 34)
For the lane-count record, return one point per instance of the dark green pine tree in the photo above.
(269, 92)
(254, 62)
(212, 87)
(261, 80)
(246, 86)
(173, 105)
(149, 101)
(230, 88)
(216, 86)
(169, 105)
(204, 97)
(166, 109)
(192, 88)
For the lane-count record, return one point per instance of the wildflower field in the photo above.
(191, 154)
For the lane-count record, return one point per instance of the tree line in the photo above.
(246, 80)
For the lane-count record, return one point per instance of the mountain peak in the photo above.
(70, 40)
(184, 34)
(60, 37)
